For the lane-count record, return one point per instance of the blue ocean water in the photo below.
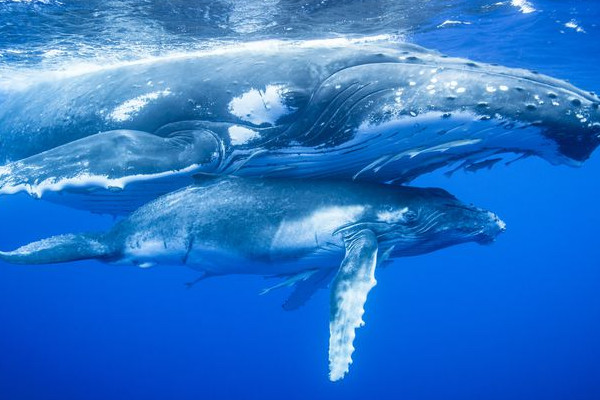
(514, 320)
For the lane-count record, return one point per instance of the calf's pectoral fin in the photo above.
(58, 249)
(304, 290)
(305, 283)
(355, 278)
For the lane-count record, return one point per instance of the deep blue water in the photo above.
(515, 320)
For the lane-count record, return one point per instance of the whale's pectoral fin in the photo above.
(304, 290)
(92, 173)
(58, 249)
(305, 283)
(203, 275)
(290, 280)
(351, 286)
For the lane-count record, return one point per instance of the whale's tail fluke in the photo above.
(56, 249)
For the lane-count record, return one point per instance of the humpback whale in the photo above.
(344, 109)
(306, 232)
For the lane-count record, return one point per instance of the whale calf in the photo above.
(371, 111)
(307, 232)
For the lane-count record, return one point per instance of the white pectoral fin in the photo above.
(351, 286)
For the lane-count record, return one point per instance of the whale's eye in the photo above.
(410, 216)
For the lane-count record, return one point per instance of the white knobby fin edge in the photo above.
(352, 284)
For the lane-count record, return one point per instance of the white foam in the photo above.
(129, 108)
(523, 5)
(450, 22)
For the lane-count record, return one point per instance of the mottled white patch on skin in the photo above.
(241, 135)
(461, 90)
(317, 227)
(261, 107)
(503, 88)
(490, 89)
(128, 109)
(392, 217)
(501, 224)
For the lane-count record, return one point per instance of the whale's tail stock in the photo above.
(56, 249)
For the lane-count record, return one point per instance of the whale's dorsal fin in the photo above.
(351, 286)
(57, 249)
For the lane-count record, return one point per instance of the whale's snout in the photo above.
(492, 228)
(576, 131)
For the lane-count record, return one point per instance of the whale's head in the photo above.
(430, 111)
(424, 220)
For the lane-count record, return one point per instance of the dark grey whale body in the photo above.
(316, 109)
(303, 230)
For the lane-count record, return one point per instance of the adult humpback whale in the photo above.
(332, 108)
(304, 231)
